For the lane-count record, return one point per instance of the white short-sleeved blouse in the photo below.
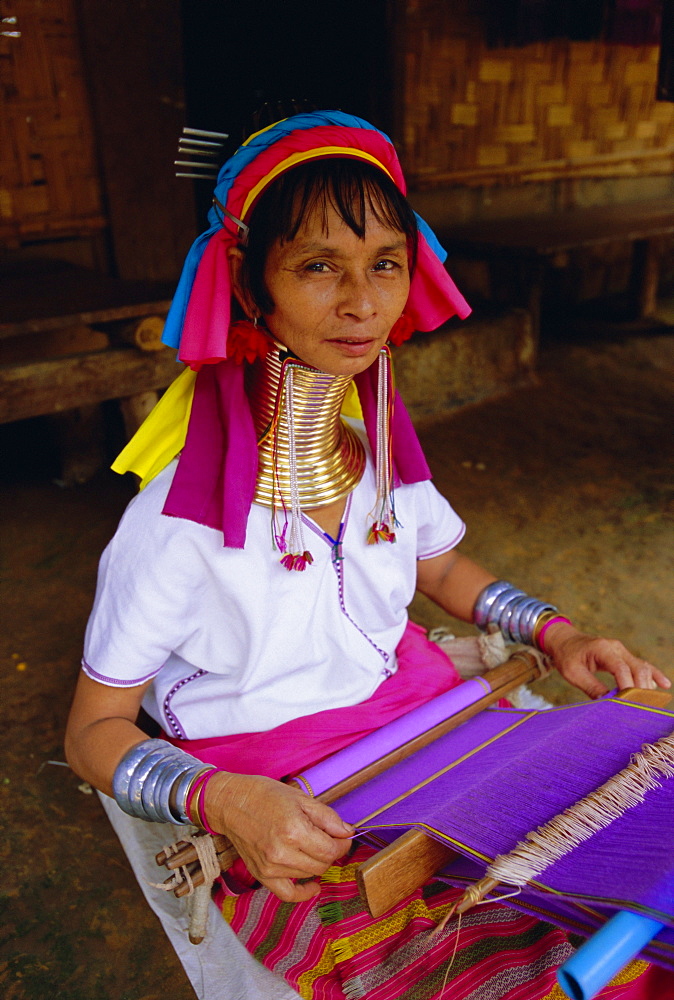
(235, 642)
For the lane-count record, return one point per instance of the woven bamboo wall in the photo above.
(49, 184)
(479, 116)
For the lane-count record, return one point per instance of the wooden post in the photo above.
(135, 409)
(645, 276)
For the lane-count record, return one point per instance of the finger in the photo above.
(647, 676)
(643, 678)
(292, 892)
(327, 819)
(661, 679)
(614, 659)
(642, 672)
(287, 859)
(584, 680)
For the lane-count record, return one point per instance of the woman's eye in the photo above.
(317, 266)
(386, 265)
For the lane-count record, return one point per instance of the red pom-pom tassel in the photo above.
(297, 561)
(380, 532)
(246, 342)
(401, 330)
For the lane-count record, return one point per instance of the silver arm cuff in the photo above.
(510, 609)
(153, 779)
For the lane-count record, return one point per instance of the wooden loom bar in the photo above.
(398, 869)
(521, 668)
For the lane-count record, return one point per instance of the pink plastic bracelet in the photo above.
(200, 801)
(544, 629)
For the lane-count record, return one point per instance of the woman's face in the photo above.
(336, 296)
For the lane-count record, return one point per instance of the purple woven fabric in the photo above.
(518, 770)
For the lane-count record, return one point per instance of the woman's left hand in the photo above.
(579, 657)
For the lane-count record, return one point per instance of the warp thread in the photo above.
(551, 841)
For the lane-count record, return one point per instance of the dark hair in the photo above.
(351, 186)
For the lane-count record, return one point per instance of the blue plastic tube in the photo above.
(605, 953)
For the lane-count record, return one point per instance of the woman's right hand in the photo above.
(280, 832)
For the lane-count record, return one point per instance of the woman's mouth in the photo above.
(355, 347)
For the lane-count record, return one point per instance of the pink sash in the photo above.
(424, 671)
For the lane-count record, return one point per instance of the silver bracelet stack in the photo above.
(514, 612)
(153, 782)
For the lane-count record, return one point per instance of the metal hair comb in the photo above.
(203, 149)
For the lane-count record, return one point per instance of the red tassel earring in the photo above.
(247, 341)
(401, 330)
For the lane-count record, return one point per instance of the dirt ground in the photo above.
(567, 488)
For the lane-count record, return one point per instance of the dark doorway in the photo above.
(240, 54)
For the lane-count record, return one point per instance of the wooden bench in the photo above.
(71, 339)
(520, 250)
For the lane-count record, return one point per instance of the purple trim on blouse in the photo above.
(337, 563)
(445, 548)
(115, 681)
(172, 719)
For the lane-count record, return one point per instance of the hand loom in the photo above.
(470, 787)
(379, 751)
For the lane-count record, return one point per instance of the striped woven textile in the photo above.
(331, 949)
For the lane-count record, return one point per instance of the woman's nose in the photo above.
(357, 296)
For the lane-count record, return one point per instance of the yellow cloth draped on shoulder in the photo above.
(162, 435)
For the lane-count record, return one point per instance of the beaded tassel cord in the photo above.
(383, 512)
(297, 557)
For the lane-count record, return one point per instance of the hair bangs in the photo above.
(350, 186)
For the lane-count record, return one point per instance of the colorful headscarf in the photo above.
(199, 318)
(214, 483)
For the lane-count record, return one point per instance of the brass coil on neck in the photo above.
(330, 457)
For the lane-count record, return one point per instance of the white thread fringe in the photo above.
(551, 841)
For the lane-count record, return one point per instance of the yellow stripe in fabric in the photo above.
(302, 157)
(228, 907)
(628, 975)
(337, 874)
(642, 708)
(162, 434)
(444, 770)
(380, 930)
(262, 131)
(325, 965)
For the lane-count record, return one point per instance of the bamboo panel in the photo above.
(468, 107)
(49, 184)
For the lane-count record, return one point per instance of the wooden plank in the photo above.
(49, 295)
(52, 344)
(551, 234)
(394, 872)
(133, 55)
(657, 698)
(35, 389)
(87, 318)
(145, 333)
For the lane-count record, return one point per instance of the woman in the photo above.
(254, 598)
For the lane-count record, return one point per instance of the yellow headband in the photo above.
(309, 154)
